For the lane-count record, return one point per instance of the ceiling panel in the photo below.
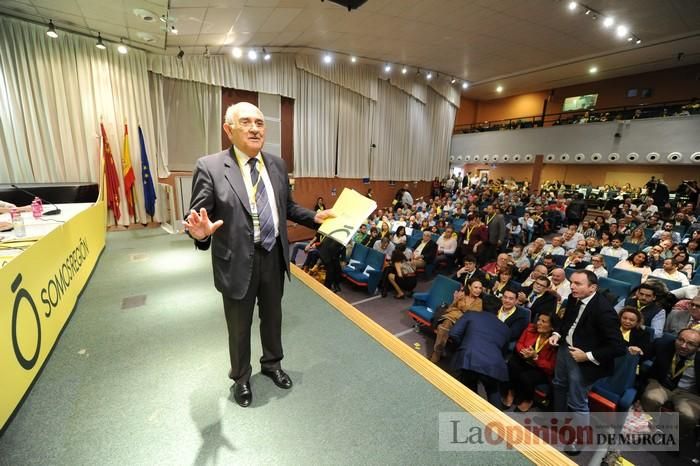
(250, 19)
(219, 20)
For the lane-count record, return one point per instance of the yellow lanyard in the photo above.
(625, 334)
(488, 220)
(503, 317)
(539, 344)
(695, 326)
(639, 305)
(469, 233)
(689, 363)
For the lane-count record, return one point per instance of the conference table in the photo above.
(42, 274)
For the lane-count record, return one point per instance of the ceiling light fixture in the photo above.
(206, 52)
(429, 76)
(465, 85)
(252, 55)
(608, 21)
(453, 80)
(52, 30)
(593, 69)
(181, 53)
(622, 31)
(387, 68)
(572, 6)
(266, 55)
(639, 41)
(353, 59)
(630, 39)
(404, 70)
(122, 48)
(499, 89)
(173, 29)
(327, 59)
(237, 52)
(588, 12)
(100, 45)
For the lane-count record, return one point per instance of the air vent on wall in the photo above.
(516, 158)
(632, 157)
(695, 157)
(550, 157)
(653, 157)
(506, 157)
(147, 16)
(613, 157)
(596, 157)
(528, 157)
(494, 158)
(564, 157)
(579, 157)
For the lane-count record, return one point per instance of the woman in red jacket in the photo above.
(532, 364)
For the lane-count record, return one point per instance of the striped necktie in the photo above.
(265, 221)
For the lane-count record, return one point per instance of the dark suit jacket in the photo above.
(517, 322)
(497, 229)
(429, 251)
(545, 304)
(478, 273)
(597, 331)
(481, 340)
(641, 339)
(217, 185)
(664, 351)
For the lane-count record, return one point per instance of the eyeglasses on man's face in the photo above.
(246, 124)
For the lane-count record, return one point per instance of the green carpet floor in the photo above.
(136, 382)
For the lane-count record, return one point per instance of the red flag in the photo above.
(112, 178)
(128, 173)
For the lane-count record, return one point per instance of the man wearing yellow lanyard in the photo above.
(240, 206)
(515, 317)
(674, 378)
(497, 231)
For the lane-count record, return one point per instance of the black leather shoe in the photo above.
(242, 394)
(280, 378)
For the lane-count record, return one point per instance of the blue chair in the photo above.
(670, 284)
(414, 239)
(648, 233)
(696, 278)
(359, 274)
(631, 247)
(618, 288)
(610, 262)
(425, 304)
(616, 392)
(569, 271)
(629, 276)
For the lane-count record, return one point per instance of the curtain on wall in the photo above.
(54, 94)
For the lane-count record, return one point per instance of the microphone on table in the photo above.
(55, 210)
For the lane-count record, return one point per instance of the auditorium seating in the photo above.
(425, 304)
(364, 268)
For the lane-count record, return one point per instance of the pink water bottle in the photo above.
(37, 208)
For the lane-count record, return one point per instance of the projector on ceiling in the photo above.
(349, 4)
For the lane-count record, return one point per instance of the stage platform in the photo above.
(139, 376)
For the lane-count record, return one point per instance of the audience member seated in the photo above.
(560, 285)
(481, 340)
(637, 339)
(615, 249)
(686, 314)
(371, 238)
(539, 298)
(425, 252)
(385, 246)
(537, 271)
(514, 316)
(645, 302)
(575, 259)
(400, 236)
(311, 250)
(467, 300)
(531, 364)
(636, 237)
(683, 263)
(555, 248)
(502, 261)
(597, 266)
(673, 380)
(446, 247)
(400, 274)
(500, 282)
(669, 271)
(636, 262)
(469, 271)
(519, 260)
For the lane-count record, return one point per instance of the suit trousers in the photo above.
(570, 389)
(266, 287)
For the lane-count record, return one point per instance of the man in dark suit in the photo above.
(515, 317)
(589, 340)
(246, 194)
(469, 271)
(497, 231)
(645, 301)
(538, 298)
(424, 252)
(481, 339)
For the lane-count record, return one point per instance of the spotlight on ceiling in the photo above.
(622, 31)
(639, 41)
(52, 30)
(630, 39)
(429, 76)
(465, 85)
(100, 45)
(122, 48)
(593, 69)
(404, 70)
(173, 29)
(499, 89)
(266, 55)
(353, 59)
(327, 59)
(453, 80)
(588, 12)
(237, 52)
(572, 6)
(181, 53)
(387, 68)
(206, 52)
(608, 21)
(252, 55)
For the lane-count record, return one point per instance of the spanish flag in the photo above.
(128, 173)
